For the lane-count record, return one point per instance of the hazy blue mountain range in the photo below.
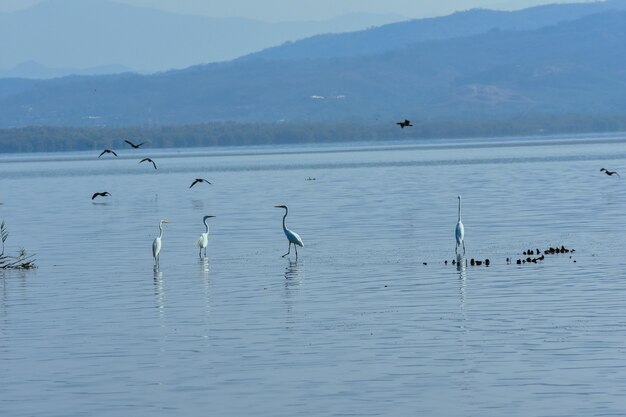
(402, 34)
(80, 34)
(34, 70)
(573, 67)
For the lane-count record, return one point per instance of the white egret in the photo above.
(156, 245)
(203, 241)
(460, 231)
(292, 236)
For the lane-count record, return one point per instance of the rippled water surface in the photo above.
(368, 322)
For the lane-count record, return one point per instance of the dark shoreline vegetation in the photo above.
(60, 139)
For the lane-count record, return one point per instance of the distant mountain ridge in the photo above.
(572, 67)
(82, 34)
(399, 35)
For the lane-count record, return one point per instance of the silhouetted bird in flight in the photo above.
(149, 160)
(609, 173)
(133, 145)
(104, 194)
(404, 124)
(107, 151)
(197, 180)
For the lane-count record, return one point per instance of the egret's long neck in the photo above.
(284, 217)
(207, 226)
(459, 209)
(160, 230)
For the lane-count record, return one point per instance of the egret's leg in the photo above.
(200, 252)
(463, 247)
(288, 250)
(296, 248)
(456, 249)
(205, 251)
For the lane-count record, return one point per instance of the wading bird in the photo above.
(149, 160)
(460, 232)
(133, 145)
(197, 180)
(609, 173)
(404, 124)
(156, 245)
(107, 151)
(292, 236)
(203, 241)
(103, 194)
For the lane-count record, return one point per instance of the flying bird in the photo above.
(133, 145)
(203, 241)
(292, 236)
(404, 124)
(107, 151)
(156, 244)
(460, 232)
(197, 180)
(103, 194)
(609, 173)
(149, 160)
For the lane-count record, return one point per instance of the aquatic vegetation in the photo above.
(21, 261)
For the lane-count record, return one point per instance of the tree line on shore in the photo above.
(57, 139)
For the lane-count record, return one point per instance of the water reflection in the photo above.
(203, 264)
(461, 267)
(294, 275)
(159, 292)
(197, 204)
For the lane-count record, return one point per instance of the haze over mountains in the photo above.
(468, 66)
(79, 36)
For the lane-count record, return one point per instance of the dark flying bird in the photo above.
(107, 151)
(149, 160)
(133, 145)
(197, 180)
(609, 173)
(404, 124)
(103, 194)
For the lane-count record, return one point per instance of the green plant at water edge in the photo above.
(21, 261)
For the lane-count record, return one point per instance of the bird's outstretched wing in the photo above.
(94, 195)
(113, 152)
(149, 160)
(103, 152)
(197, 180)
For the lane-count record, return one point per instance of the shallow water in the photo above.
(358, 325)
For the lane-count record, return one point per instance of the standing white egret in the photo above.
(460, 231)
(156, 245)
(292, 236)
(203, 241)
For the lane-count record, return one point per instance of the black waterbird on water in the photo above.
(149, 160)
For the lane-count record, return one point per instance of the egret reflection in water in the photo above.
(294, 275)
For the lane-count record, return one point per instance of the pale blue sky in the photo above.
(277, 10)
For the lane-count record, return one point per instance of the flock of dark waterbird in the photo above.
(136, 146)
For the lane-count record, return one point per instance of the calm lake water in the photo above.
(358, 325)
